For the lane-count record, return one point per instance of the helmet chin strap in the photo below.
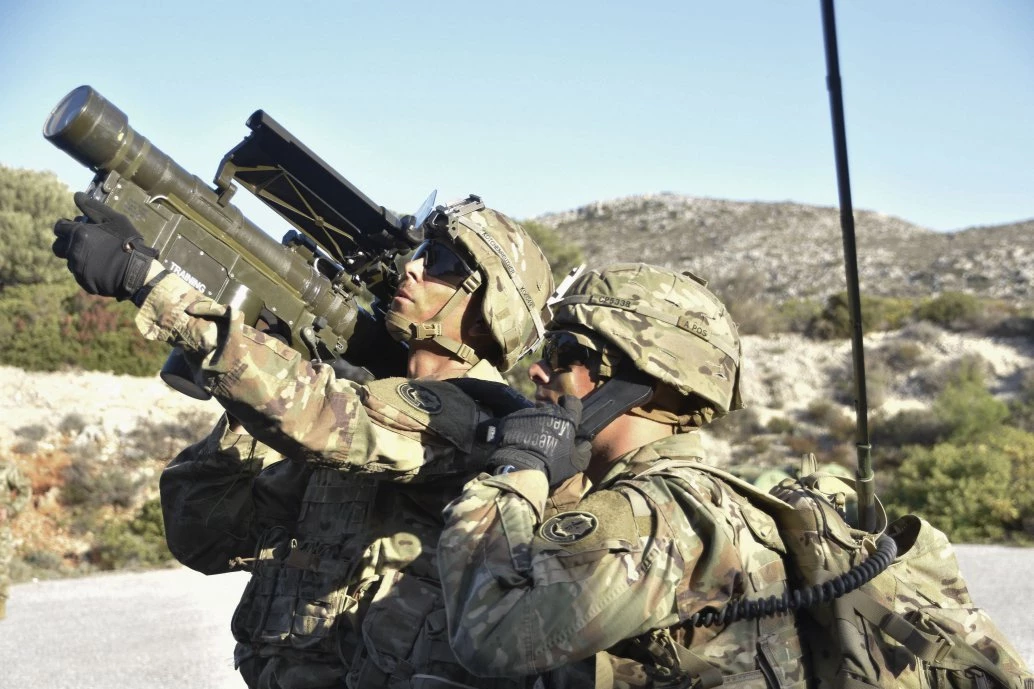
(627, 389)
(405, 329)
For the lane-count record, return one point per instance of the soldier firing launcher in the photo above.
(323, 289)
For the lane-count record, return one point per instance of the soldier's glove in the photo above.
(105, 253)
(542, 438)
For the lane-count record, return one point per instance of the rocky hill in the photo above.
(797, 250)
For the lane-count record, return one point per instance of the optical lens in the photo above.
(563, 350)
(441, 261)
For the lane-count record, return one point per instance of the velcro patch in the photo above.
(420, 397)
(417, 405)
(568, 527)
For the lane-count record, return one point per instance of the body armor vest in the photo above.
(354, 586)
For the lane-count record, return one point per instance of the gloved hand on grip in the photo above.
(105, 253)
(542, 438)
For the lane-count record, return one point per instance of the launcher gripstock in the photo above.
(323, 290)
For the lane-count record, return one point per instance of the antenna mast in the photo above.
(864, 474)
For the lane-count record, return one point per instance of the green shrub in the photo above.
(72, 424)
(30, 326)
(1021, 408)
(974, 491)
(779, 424)
(139, 542)
(802, 444)
(901, 356)
(968, 367)
(91, 485)
(47, 327)
(908, 427)
(890, 313)
(797, 314)
(151, 439)
(967, 409)
(38, 564)
(841, 427)
(34, 431)
(878, 378)
(878, 313)
(743, 293)
(30, 202)
(954, 310)
(562, 255)
(820, 411)
(106, 338)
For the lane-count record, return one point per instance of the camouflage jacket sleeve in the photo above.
(296, 407)
(17, 489)
(216, 496)
(528, 592)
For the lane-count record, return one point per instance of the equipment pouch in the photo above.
(406, 641)
(396, 618)
(293, 599)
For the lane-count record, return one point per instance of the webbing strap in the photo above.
(695, 666)
(924, 646)
(432, 328)
(300, 559)
(604, 672)
(940, 650)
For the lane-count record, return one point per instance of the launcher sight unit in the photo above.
(323, 290)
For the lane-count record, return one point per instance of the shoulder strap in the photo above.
(762, 500)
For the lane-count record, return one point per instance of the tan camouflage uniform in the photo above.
(530, 590)
(344, 588)
(532, 585)
(304, 411)
(15, 490)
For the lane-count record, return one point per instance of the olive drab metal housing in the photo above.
(323, 289)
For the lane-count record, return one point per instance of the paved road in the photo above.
(169, 629)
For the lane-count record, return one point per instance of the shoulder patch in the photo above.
(569, 527)
(420, 397)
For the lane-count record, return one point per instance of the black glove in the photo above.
(542, 438)
(105, 253)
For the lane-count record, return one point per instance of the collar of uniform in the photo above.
(484, 370)
(680, 445)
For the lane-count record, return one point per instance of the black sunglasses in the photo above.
(441, 260)
(561, 350)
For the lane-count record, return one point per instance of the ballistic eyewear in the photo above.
(441, 261)
(561, 350)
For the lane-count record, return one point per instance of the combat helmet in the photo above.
(669, 325)
(509, 264)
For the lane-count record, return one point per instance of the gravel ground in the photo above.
(169, 629)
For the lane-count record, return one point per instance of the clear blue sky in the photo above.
(545, 106)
